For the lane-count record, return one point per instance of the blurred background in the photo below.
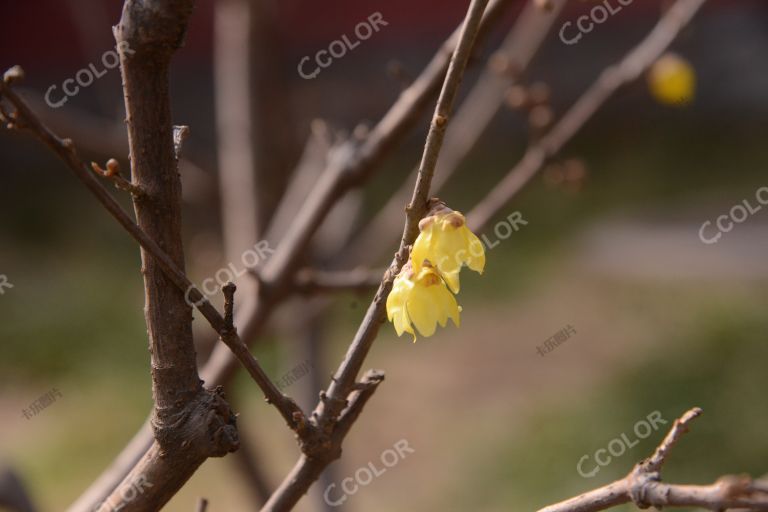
(659, 320)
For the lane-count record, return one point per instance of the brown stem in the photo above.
(340, 406)
(643, 486)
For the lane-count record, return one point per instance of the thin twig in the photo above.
(112, 172)
(311, 281)
(344, 393)
(472, 118)
(643, 486)
(611, 80)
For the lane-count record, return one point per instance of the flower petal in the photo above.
(452, 280)
(476, 250)
(422, 309)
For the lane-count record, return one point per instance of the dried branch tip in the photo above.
(229, 305)
(13, 75)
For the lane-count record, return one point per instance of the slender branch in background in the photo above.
(611, 79)
(106, 482)
(312, 336)
(248, 461)
(255, 145)
(311, 281)
(254, 130)
(643, 486)
(341, 405)
(202, 505)
(470, 122)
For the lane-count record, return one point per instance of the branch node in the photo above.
(112, 172)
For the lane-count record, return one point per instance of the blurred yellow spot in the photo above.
(672, 80)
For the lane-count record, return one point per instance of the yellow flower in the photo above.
(672, 80)
(421, 300)
(446, 241)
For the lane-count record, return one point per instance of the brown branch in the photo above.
(341, 405)
(611, 80)
(27, 120)
(643, 486)
(359, 161)
(112, 172)
(679, 428)
(188, 421)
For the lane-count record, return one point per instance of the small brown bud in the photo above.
(113, 167)
(516, 97)
(499, 63)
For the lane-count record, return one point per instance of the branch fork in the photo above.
(112, 172)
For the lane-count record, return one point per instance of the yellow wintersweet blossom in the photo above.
(420, 299)
(672, 80)
(446, 241)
